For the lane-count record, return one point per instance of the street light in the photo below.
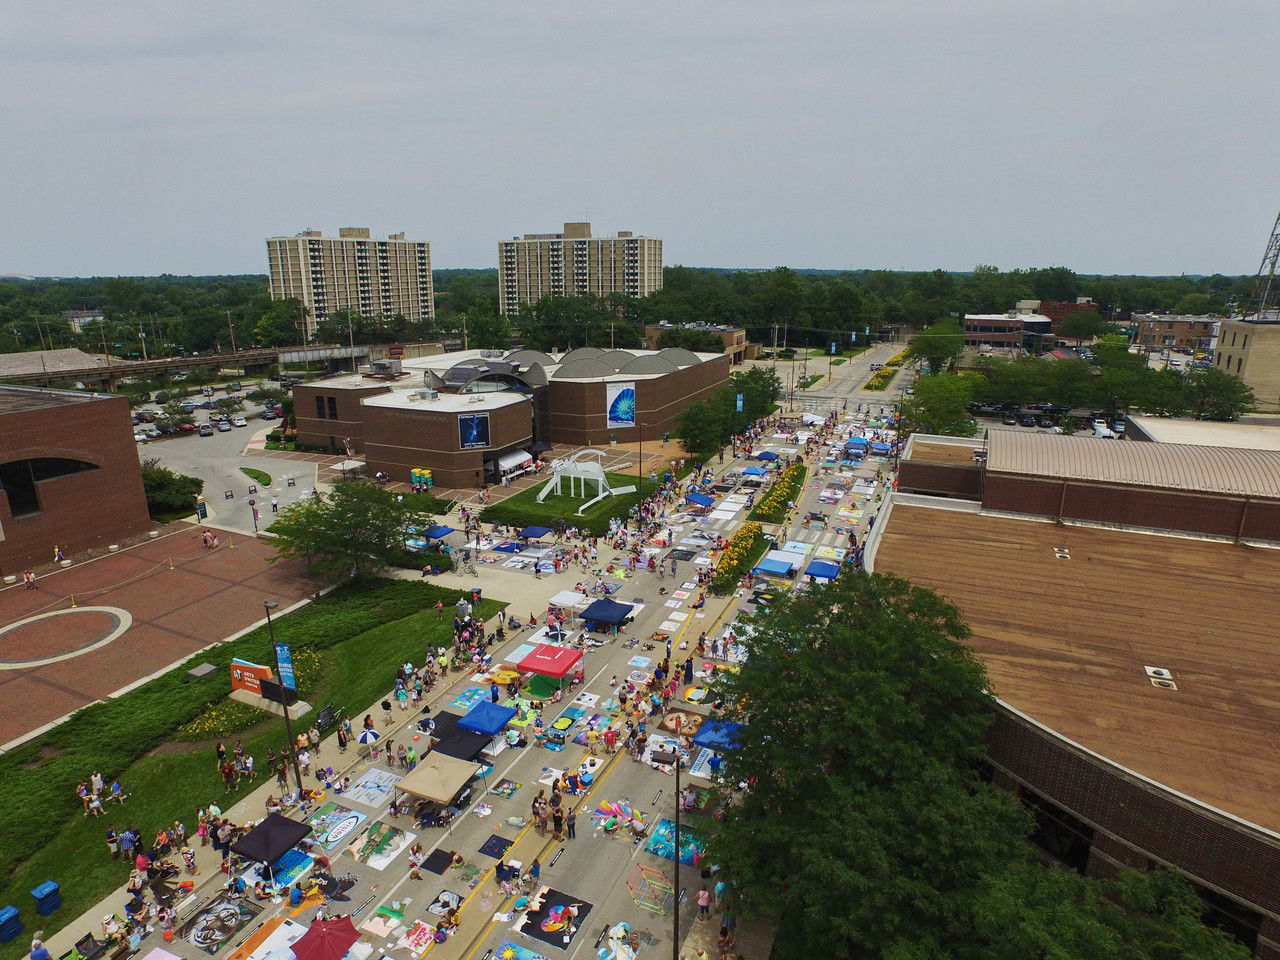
(270, 605)
(640, 460)
(673, 757)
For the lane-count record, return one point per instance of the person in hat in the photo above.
(38, 951)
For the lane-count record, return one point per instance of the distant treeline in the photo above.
(809, 307)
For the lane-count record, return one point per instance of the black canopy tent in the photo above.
(454, 741)
(271, 839)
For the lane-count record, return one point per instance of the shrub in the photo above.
(740, 554)
(170, 495)
(772, 507)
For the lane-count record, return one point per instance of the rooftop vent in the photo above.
(1160, 673)
(1164, 684)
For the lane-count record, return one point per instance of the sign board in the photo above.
(285, 659)
(248, 676)
(620, 405)
(473, 431)
(833, 349)
(202, 509)
(396, 350)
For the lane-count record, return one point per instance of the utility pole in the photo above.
(231, 330)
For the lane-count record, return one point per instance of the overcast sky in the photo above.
(1113, 137)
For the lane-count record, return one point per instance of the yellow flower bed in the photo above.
(739, 553)
(228, 717)
(881, 379)
(897, 359)
(773, 507)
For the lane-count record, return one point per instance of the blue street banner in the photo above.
(833, 349)
(285, 659)
(739, 403)
(867, 332)
(853, 336)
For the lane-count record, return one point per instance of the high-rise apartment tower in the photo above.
(574, 263)
(352, 272)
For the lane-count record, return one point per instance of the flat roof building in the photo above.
(460, 414)
(1252, 352)
(1158, 331)
(353, 271)
(574, 263)
(1121, 600)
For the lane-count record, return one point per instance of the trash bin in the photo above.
(48, 898)
(10, 924)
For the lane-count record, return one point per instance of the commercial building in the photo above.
(1055, 310)
(733, 338)
(375, 278)
(1252, 352)
(69, 475)
(1156, 332)
(1121, 600)
(574, 263)
(469, 417)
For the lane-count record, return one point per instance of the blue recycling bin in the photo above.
(47, 897)
(10, 924)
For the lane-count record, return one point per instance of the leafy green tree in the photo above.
(938, 346)
(760, 388)
(172, 414)
(1214, 394)
(278, 325)
(230, 405)
(170, 495)
(485, 329)
(1082, 325)
(267, 396)
(866, 829)
(700, 428)
(940, 405)
(691, 338)
(357, 527)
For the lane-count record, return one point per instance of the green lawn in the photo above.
(260, 477)
(836, 361)
(523, 509)
(809, 381)
(353, 637)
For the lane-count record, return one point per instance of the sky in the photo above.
(1121, 136)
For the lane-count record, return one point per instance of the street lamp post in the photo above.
(640, 461)
(270, 605)
(673, 757)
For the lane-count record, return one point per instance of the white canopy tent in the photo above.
(516, 460)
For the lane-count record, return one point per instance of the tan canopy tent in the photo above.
(438, 777)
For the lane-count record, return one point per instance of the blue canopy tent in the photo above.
(881, 448)
(607, 611)
(438, 531)
(488, 718)
(701, 499)
(534, 533)
(754, 472)
(768, 455)
(856, 443)
(718, 735)
(822, 569)
(776, 567)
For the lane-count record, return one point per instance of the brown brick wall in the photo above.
(84, 510)
(940, 479)
(1015, 494)
(349, 423)
(398, 440)
(578, 406)
(1138, 822)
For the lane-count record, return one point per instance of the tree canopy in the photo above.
(706, 425)
(356, 527)
(866, 828)
(940, 405)
(938, 346)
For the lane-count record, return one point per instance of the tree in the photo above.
(1217, 395)
(940, 405)
(938, 345)
(866, 827)
(691, 338)
(700, 428)
(760, 388)
(1082, 325)
(170, 495)
(279, 323)
(356, 527)
(172, 414)
(485, 329)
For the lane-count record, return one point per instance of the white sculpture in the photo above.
(579, 472)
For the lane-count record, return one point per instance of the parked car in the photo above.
(206, 429)
(268, 415)
(234, 388)
(1117, 427)
(186, 427)
(140, 437)
(1044, 422)
(189, 405)
(224, 426)
(1027, 420)
(1009, 420)
(239, 422)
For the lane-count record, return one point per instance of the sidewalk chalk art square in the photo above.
(334, 823)
(468, 698)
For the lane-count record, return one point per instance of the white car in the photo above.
(239, 422)
(140, 437)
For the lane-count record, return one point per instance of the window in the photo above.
(1239, 362)
(1245, 342)
(333, 408)
(1233, 338)
(320, 406)
(18, 479)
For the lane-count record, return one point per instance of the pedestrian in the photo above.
(386, 710)
(304, 760)
(571, 822)
(275, 504)
(113, 841)
(704, 902)
(126, 845)
(38, 949)
(117, 792)
(557, 822)
(314, 736)
(342, 740)
(724, 943)
(82, 791)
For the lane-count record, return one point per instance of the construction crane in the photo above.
(1264, 307)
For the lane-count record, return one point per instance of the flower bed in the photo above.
(773, 507)
(897, 359)
(740, 554)
(881, 379)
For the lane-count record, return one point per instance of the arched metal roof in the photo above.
(528, 357)
(584, 368)
(582, 353)
(617, 358)
(680, 356)
(649, 363)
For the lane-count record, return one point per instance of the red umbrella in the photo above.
(326, 940)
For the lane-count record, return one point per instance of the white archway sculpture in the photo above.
(579, 472)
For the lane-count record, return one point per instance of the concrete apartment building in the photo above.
(1157, 331)
(574, 263)
(352, 271)
(1251, 351)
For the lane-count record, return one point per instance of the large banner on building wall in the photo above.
(473, 430)
(620, 404)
